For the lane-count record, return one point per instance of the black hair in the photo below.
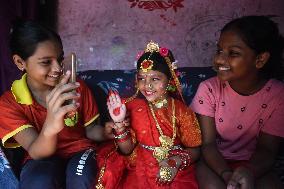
(261, 34)
(159, 62)
(26, 35)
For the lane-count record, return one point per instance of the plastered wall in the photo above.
(108, 34)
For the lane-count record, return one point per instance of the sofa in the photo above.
(122, 81)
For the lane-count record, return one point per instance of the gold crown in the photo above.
(152, 47)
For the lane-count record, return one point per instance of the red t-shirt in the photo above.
(20, 111)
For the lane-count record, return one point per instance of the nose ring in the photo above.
(150, 86)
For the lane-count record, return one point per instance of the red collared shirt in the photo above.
(20, 111)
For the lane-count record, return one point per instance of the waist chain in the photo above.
(177, 147)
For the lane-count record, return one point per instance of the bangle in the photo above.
(119, 122)
(122, 135)
(225, 171)
(119, 133)
(184, 157)
(185, 160)
(123, 139)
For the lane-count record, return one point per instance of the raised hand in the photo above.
(56, 109)
(116, 108)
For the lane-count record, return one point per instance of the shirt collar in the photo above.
(21, 91)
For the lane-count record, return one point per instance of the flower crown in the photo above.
(151, 47)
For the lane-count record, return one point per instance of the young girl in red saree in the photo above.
(163, 136)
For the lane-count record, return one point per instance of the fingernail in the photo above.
(77, 83)
(68, 72)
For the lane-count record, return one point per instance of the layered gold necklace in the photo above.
(166, 143)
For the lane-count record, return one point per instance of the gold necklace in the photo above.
(161, 103)
(162, 152)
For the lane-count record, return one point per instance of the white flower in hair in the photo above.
(135, 64)
(174, 65)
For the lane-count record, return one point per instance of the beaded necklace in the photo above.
(166, 143)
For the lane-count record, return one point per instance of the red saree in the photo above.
(141, 168)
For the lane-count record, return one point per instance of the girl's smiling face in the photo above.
(234, 60)
(43, 68)
(152, 84)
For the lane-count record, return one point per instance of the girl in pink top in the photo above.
(241, 112)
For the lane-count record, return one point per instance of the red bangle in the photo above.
(184, 157)
(123, 139)
(120, 132)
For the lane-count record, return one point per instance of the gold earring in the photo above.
(134, 96)
(171, 87)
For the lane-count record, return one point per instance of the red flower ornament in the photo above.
(164, 51)
(146, 65)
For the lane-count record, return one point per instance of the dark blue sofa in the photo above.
(124, 81)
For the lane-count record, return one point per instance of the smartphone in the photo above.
(70, 63)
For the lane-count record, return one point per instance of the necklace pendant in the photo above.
(161, 103)
(166, 141)
(161, 153)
